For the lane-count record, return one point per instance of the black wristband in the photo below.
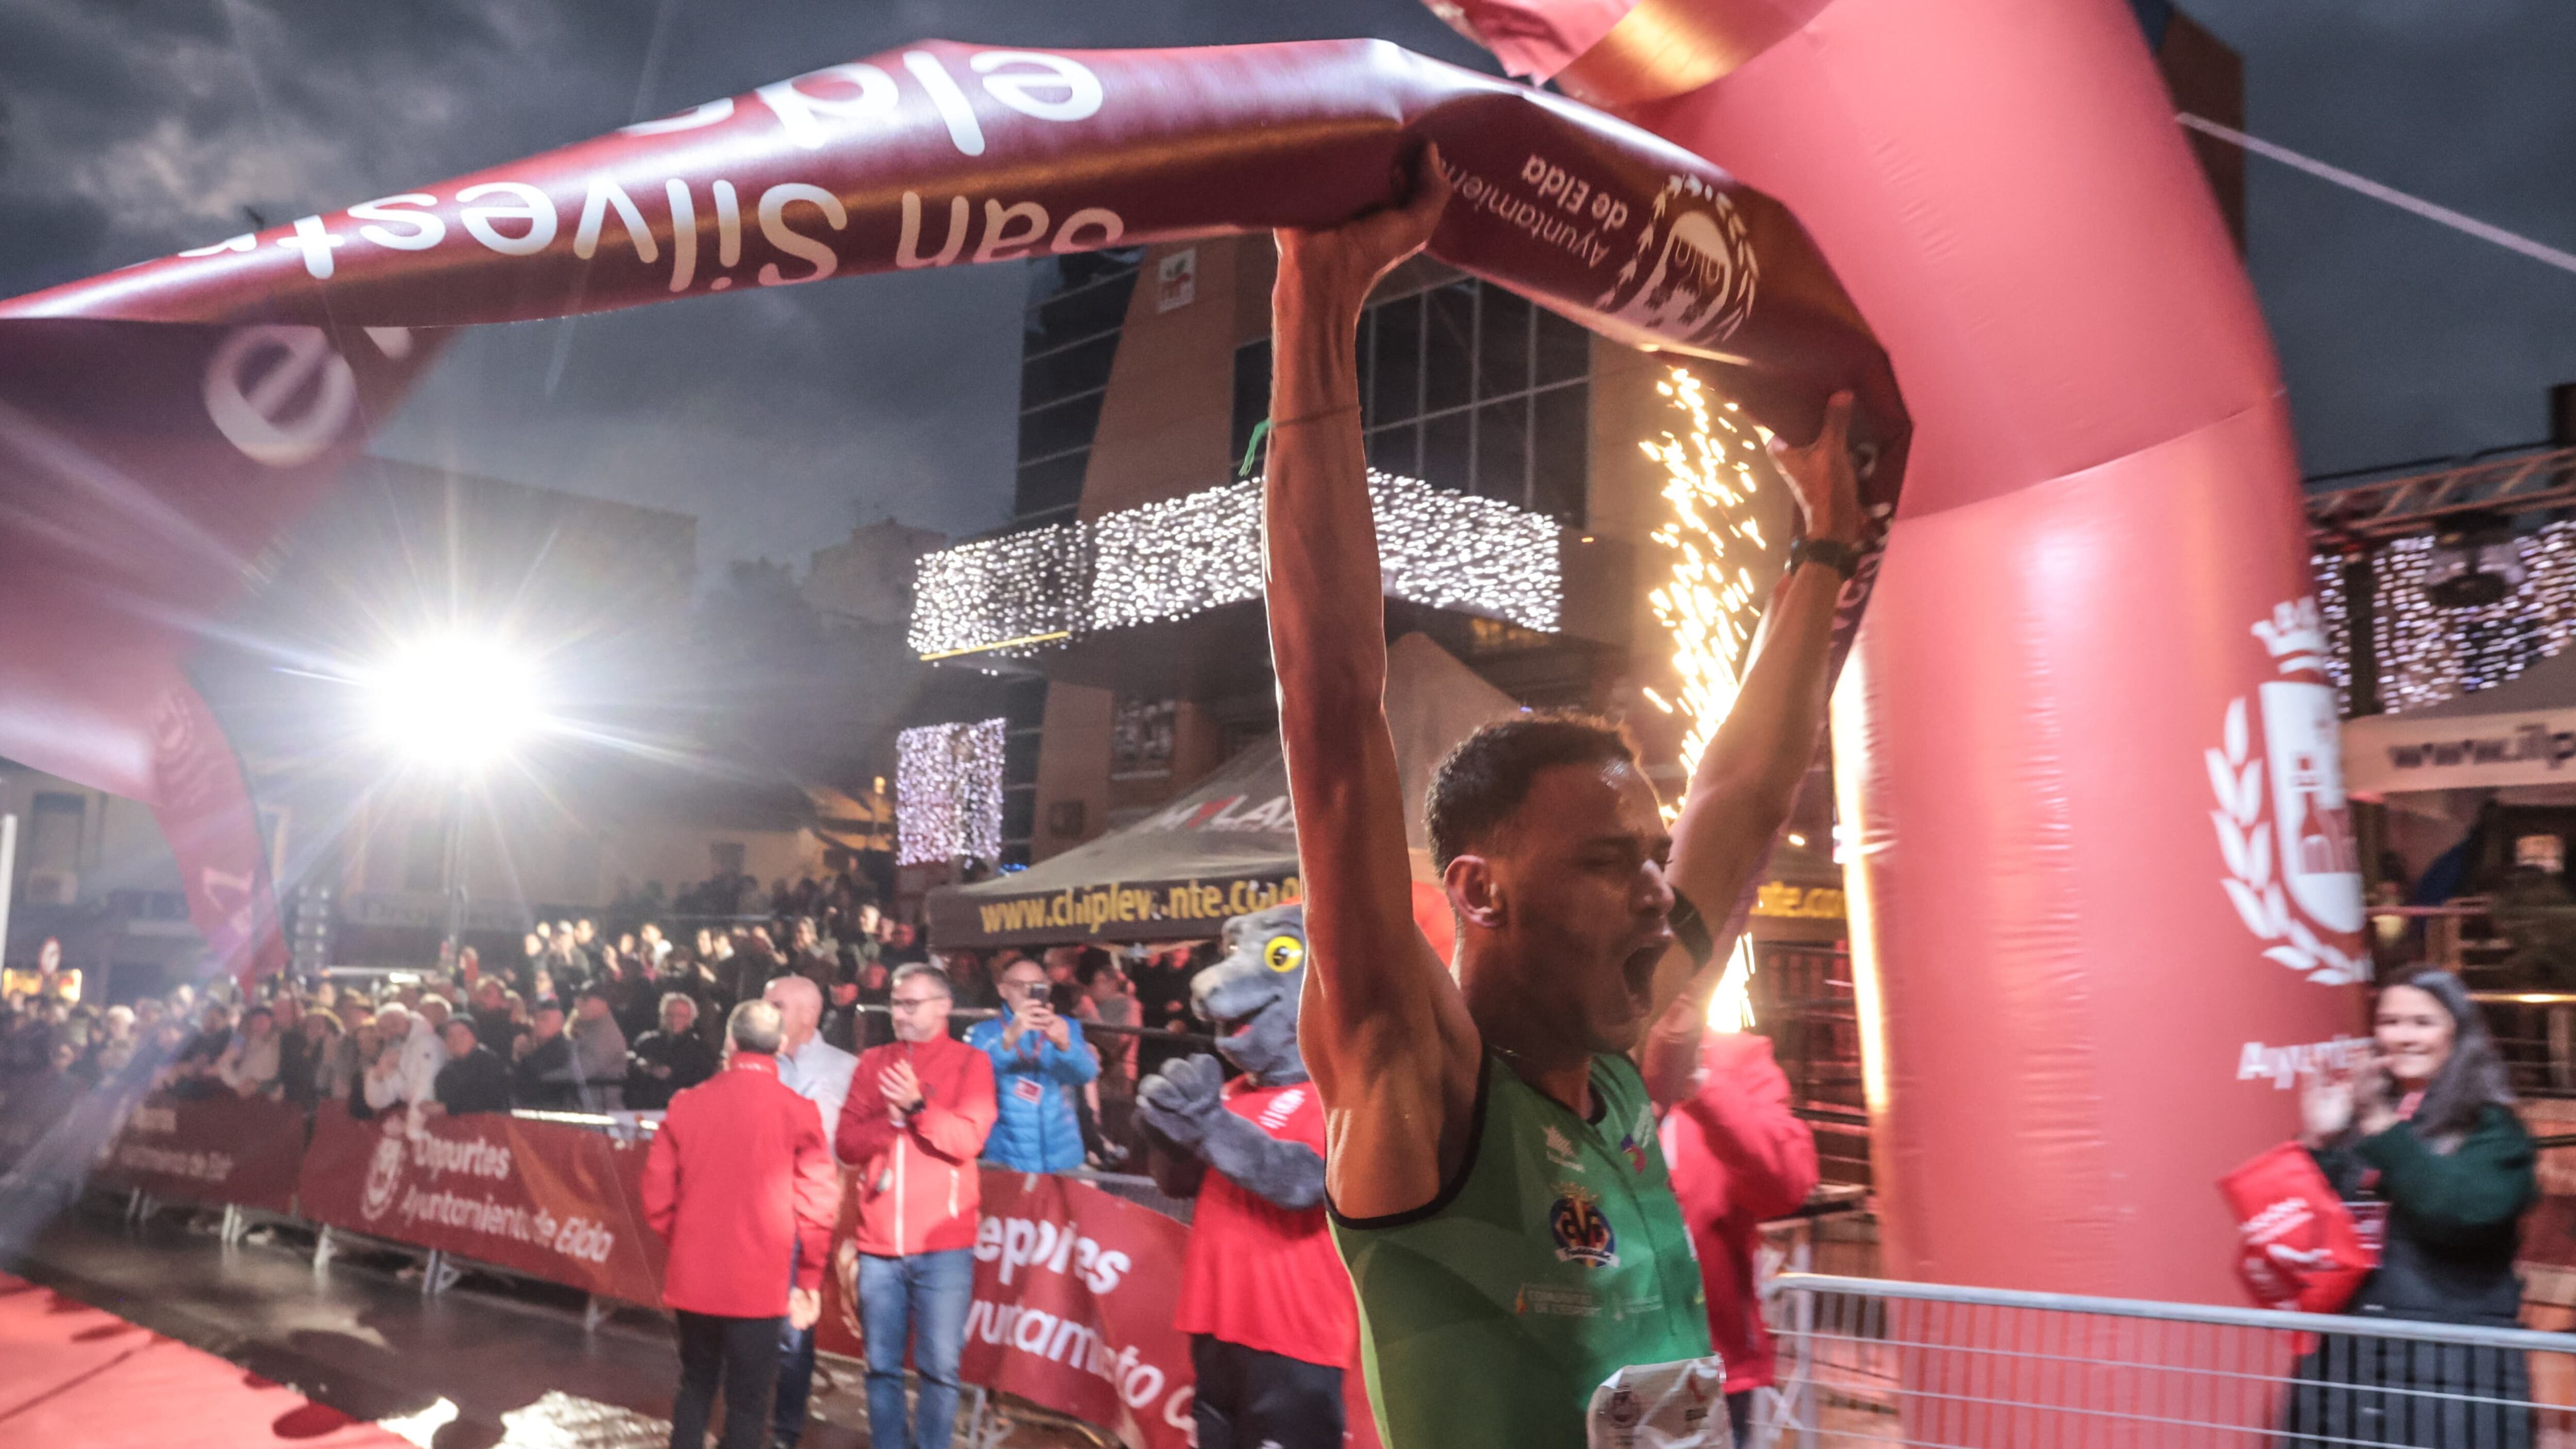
(1691, 929)
(1842, 558)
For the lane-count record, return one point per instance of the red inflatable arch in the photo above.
(2104, 895)
(2103, 882)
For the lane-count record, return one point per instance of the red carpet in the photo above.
(80, 1378)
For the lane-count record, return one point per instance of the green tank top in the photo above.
(1556, 1257)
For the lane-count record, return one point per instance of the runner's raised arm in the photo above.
(1747, 781)
(1385, 1032)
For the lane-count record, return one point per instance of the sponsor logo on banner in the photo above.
(2285, 838)
(280, 394)
(180, 1160)
(459, 1185)
(1097, 908)
(227, 1149)
(1694, 271)
(1781, 900)
(384, 1177)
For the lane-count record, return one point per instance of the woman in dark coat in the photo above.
(2427, 1129)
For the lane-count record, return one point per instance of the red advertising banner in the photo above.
(1073, 1303)
(554, 1202)
(31, 1103)
(227, 1149)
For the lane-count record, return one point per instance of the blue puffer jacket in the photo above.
(1035, 1080)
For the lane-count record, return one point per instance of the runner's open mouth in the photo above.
(1639, 968)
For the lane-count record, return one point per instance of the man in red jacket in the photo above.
(914, 1123)
(740, 1184)
(1739, 1157)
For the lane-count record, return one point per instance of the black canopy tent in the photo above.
(1225, 847)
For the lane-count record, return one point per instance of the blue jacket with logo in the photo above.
(1035, 1080)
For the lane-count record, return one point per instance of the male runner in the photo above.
(1492, 1170)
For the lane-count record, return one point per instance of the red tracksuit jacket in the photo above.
(740, 1183)
(918, 1184)
(1738, 1157)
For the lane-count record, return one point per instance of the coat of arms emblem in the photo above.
(2302, 873)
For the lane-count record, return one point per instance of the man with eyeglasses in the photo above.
(918, 1112)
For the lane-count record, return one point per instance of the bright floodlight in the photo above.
(455, 701)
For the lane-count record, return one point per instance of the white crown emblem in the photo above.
(2296, 637)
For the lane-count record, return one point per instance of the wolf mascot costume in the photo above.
(1264, 1297)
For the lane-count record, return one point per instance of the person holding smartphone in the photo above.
(1039, 1062)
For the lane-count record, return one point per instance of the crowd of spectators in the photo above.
(583, 1021)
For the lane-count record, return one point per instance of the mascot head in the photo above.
(1251, 995)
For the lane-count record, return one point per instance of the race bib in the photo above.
(1678, 1405)
(1027, 1089)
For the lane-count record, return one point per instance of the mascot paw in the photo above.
(1181, 1099)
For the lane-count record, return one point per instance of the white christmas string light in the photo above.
(1176, 558)
(948, 792)
(1166, 561)
(1459, 551)
(1006, 595)
(2427, 653)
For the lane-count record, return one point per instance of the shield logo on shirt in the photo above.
(1582, 1231)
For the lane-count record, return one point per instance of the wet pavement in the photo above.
(490, 1362)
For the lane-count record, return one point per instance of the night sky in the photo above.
(2401, 339)
(781, 418)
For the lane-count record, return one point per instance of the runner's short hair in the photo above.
(755, 1027)
(1482, 783)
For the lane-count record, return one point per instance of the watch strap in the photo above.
(1842, 558)
(1690, 928)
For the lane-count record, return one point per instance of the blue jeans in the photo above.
(921, 1300)
(795, 1385)
(795, 1381)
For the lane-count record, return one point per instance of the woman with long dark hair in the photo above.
(2428, 1130)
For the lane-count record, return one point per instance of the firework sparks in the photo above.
(1706, 603)
(1714, 539)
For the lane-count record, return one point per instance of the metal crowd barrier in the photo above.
(1867, 1361)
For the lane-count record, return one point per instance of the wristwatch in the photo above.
(1842, 558)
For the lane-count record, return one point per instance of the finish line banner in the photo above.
(551, 1201)
(226, 1149)
(941, 154)
(1116, 912)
